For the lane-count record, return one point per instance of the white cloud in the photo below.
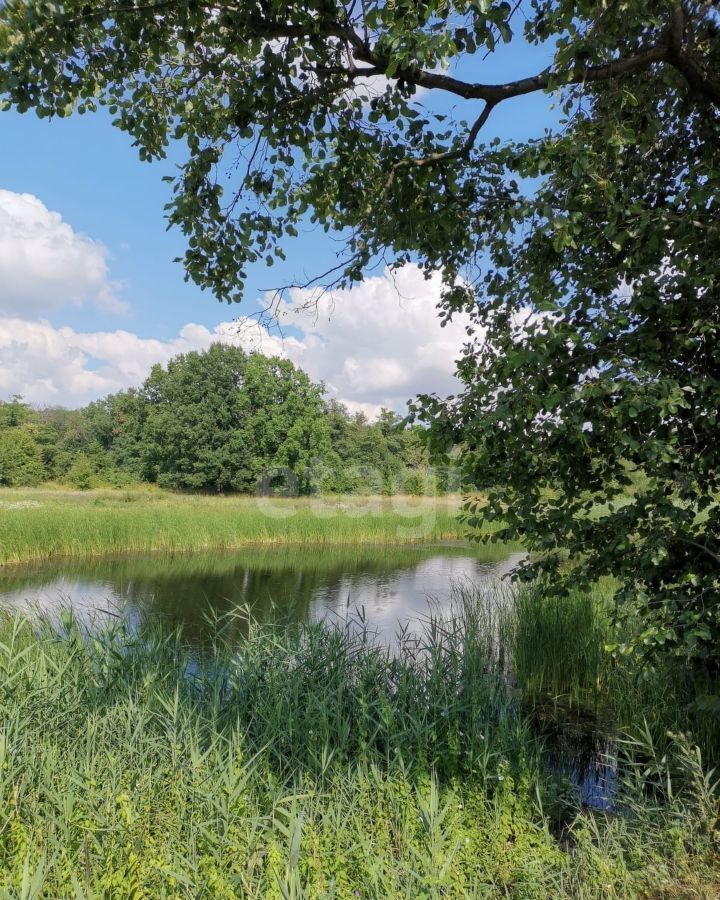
(45, 264)
(377, 344)
(49, 365)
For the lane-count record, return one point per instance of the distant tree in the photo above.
(118, 421)
(81, 473)
(224, 420)
(218, 420)
(285, 419)
(415, 482)
(21, 461)
(14, 412)
(377, 456)
(60, 435)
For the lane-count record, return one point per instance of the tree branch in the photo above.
(468, 144)
(700, 546)
(671, 49)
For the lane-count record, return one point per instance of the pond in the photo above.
(389, 587)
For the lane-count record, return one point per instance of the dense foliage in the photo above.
(221, 420)
(599, 233)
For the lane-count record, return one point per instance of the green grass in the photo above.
(557, 644)
(307, 762)
(556, 652)
(42, 524)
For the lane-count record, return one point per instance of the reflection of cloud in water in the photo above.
(91, 601)
(85, 597)
(407, 595)
(390, 587)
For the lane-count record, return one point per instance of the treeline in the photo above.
(222, 420)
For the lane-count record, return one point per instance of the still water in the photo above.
(389, 587)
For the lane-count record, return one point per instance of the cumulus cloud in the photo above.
(61, 366)
(45, 264)
(374, 345)
(379, 343)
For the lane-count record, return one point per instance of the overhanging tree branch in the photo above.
(664, 51)
(671, 49)
(448, 155)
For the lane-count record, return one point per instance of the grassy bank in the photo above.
(309, 763)
(40, 524)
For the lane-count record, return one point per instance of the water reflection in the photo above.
(581, 749)
(390, 586)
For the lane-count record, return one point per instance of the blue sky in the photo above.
(86, 173)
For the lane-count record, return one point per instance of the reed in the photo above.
(44, 524)
(304, 762)
(556, 647)
(558, 643)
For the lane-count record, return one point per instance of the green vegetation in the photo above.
(559, 645)
(218, 421)
(558, 652)
(20, 458)
(309, 763)
(583, 252)
(585, 256)
(42, 524)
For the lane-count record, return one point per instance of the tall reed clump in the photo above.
(305, 762)
(558, 643)
(556, 648)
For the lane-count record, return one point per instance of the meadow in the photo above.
(309, 762)
(42, 523)
(499, 751)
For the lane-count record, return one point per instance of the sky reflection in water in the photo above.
(389, 585)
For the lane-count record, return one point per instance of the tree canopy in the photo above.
(221, 420)
(275, 97)
(586, 255)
